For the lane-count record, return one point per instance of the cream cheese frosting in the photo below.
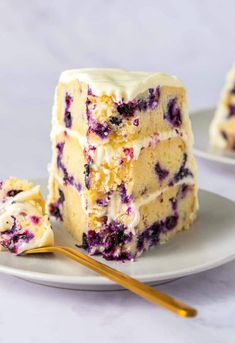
(118, 83)
(106, 153)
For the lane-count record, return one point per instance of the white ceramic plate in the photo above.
(200, 122)
(209, 243)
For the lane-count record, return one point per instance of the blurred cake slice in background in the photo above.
(222, 129)
(122, 176)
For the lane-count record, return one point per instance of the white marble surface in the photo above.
(38, 39)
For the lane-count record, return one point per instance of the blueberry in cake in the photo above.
(222, 128)
(23, 222)
(123, 177)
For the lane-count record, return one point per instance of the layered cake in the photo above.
(23, 222)
(222, 129)
(122, 176)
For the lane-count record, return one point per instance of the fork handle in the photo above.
(151, 294)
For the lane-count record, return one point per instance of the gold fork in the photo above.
(122, 279)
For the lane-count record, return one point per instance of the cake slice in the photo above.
(122, 176)
(222, 128)
(23, 222)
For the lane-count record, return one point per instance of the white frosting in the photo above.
(118, 83)
(221, 112)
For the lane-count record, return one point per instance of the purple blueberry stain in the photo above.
(129, 153)
(54, 209)
(35, 219)
(88, 111)
(161, 172)
(68, 119)
(89, 91)
(125, 110)
(151, 234)
(61, 196)
(182, 173)
(184, 190)
(125, 198)
(11, 239)
(67, 112)
(122, 257)
(78, 186)
(173, 202)
(89, 155)
(173, 113)
(231, 108)
(108, 242)
(136, 122)
(129, 210)
(18, 239)
(13, 228)
(153, 98)
(171, 222)
(87, 171)
(142, 105)
(115, 120)
(101, 130)
(128, 109)
(67, 178)
(102, 202)
(140, 242)
(14, 192)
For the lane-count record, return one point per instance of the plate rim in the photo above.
(207, 155)
(100, 280)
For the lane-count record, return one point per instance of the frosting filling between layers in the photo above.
(107, 153)
(116, 206)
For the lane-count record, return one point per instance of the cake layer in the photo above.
(66, 204)
(176, 211)
(162, 162)
(159, 216)
(104, 119)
